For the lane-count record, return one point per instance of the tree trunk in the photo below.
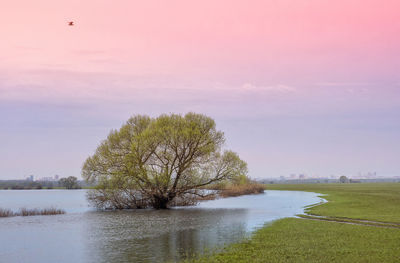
(160, 202)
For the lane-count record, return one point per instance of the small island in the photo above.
(171, 160)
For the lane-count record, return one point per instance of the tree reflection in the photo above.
(158, 236)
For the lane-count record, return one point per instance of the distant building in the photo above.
(29, 178)
(50, 179)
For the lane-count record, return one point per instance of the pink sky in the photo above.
(318, 80)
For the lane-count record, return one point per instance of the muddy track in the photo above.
(351, 221)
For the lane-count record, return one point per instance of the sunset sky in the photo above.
(298, 86)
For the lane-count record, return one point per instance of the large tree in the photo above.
(157, 161)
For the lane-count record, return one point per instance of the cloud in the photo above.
(90, 52)
(118, 93)
(274, 88)
(75, 86)
(343, 84)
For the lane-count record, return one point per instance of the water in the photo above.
(86, 235)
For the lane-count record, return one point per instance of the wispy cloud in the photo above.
(90, 52)
(343, 84)
(273, 88)
(169, 93)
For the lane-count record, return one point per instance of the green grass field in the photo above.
(377, 202)
(305, 240)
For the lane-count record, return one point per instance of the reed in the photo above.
(246, 189)
(31, 212)
(41, 212)
(6, 212)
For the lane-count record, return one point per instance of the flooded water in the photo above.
(86, 235)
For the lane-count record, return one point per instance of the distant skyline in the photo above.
(306, 86)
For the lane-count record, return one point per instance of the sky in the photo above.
(297, 86)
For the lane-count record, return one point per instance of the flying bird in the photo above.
(71, 23)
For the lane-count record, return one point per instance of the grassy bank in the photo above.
(375, 201)
(304, 240)
(299, 240)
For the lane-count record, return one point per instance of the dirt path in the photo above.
(351, 221)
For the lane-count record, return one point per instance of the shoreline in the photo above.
(319, 236)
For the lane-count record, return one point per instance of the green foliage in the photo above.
(240, 179)
(155, 160)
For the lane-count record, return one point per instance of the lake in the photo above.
(86, 235)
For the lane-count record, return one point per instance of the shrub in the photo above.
(237, 190)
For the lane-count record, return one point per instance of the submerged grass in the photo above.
(331, 239)
(31, 212)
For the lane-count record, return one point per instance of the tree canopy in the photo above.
(71, 182)
(158, 161)
(343, 179)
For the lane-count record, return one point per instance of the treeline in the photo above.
(26, 185)
(32, 185)
(327, 181)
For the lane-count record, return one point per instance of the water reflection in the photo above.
(157, 236)
(84, 235)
